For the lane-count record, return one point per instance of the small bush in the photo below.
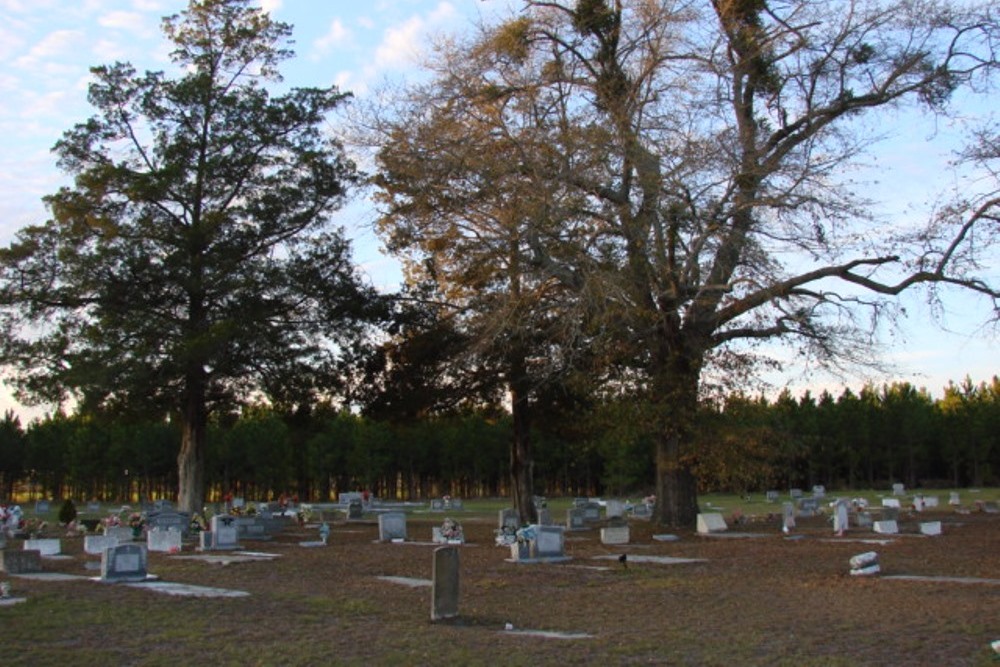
(67, 512)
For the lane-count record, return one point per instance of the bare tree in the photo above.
(686, 164)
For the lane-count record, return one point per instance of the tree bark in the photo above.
(191, 459)
(521, 478)
(676, 404)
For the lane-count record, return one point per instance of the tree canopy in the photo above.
(191, 263)
(681, 171)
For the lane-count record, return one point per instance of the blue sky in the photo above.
(47, 46)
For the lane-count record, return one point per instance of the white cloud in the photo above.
(270, 6)
(402, 44)
(55, 44)
(336, 36)
(131, 21)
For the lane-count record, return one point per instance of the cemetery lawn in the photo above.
(763, 600)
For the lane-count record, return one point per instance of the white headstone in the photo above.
(885, 527)
(614, 508)
(890, 502)
(953, 498)
(898, 489)
(787, 516)
(840, 517)
(930, 528)
(615, 535)
(44, 546)
(223, 533)
(711, 523)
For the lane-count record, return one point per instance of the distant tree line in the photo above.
(869, 439)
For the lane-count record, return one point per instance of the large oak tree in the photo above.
(685, 166)
(191, 263)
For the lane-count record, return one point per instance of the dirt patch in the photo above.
(766, 600)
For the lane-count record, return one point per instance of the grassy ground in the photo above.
(753, 601)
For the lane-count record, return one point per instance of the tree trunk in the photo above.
(522, 484)
(191, 459)
(676, 405)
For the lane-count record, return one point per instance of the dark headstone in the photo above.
(444, 594)
(23, 561)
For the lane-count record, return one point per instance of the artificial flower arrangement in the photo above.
(198, 523)
(451, 531)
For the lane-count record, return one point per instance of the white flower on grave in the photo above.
(451, 529)
(996, 646)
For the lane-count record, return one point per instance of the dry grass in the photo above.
(763, 601)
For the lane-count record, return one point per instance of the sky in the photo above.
(48, 46)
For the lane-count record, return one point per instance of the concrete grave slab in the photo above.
(547, 634)
(945, 579)
(188, 590)
(658, 560)
(408, 581)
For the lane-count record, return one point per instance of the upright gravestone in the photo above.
(616, 532)
(222, 533)
(711, 523)
(41, 506)
(574, 519)
(120, 533)
(819, 491)
(508, 518)
(167, 519)
(444, 594)
(392, 527)
(164, 540)
(124, 563)
(930, 528)
(772, 496)
(890, 502)
(899, 489)
(787, 517)
(953, 498)
(437, 505)
(885, 527)
(890, 513)
(544, 516)
(591, 512)
(614, 508)
(795, 494)
(808, 506)
(840, 516)
(355, 509)
(45, 546)
(96, 544)
(549, 542)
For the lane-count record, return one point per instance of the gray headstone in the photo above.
(125, 562)
(899, 489)
(890, 513)
(591, 512)
(346, 497)
(164, 540)
(94, 507)
(772, 496)
(457, 504)
(169, 520)
(795, 493)
(840, 516)
(355, 509)
(437, 505)
(549, 542)
(808, 506)
(508, 518)
(223, 533)
(391, 526)
(545, 516)
(41, 506)
(787, 516)
(96, 544)
(953, 498)
(930, 528)
(120, 533)
(444, 593)
(24, 561)
(574, 518)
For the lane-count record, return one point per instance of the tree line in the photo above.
(868, 439)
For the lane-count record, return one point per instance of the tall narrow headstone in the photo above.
(444, 593)
(787, 517)
(840, 516)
